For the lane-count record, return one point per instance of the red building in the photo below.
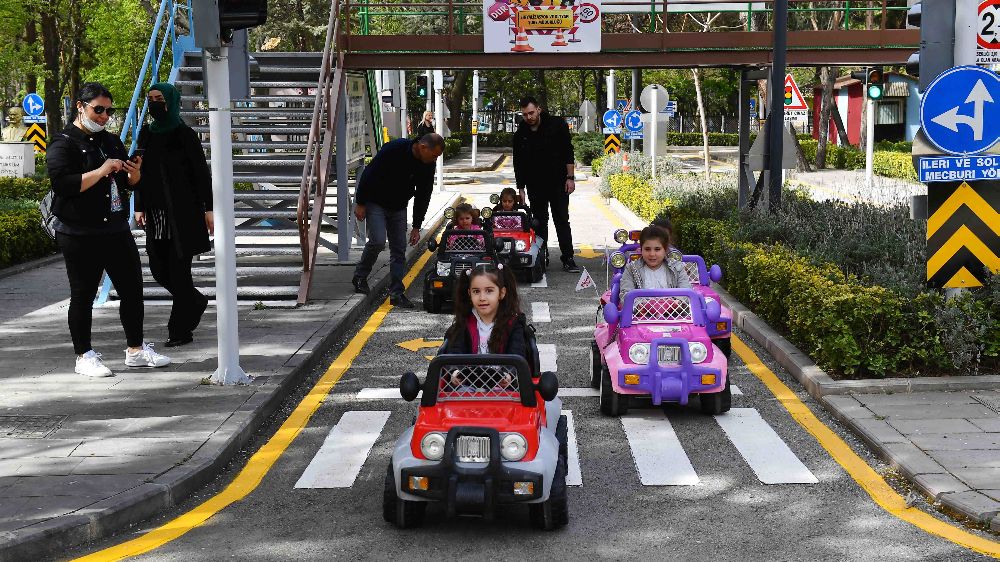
(896, 113)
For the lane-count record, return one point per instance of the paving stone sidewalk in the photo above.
(81, 458)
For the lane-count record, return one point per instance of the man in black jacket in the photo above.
(544, 165)
(402, 170)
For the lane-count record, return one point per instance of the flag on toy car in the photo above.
(585, 282)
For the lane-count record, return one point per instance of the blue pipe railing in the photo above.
(151, 64)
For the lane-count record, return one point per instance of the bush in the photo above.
(452, 147)
(595, 165)
(894, 165)
(22, 237)
(892, 162)
(23, 188)
(587, 146)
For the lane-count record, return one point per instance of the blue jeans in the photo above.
(385, 224)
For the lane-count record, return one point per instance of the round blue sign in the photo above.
(960, 111)
(633, 121)
(33, 105)
(612, 119)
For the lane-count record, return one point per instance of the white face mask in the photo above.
(89, 124)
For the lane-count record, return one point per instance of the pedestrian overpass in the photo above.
(294, 155)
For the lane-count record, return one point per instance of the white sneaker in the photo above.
(145, 357)
(90, 364)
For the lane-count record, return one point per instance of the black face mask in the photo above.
(158, 109)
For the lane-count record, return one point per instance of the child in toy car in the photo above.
(466, 218)
(658, 268)
(458, 252)
(512, 225)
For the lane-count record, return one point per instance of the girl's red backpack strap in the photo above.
(473, 330)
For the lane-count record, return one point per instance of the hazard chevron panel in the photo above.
(36, 134)
(963, 233)
(612, 143)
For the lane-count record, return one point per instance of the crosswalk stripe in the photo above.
(378, 393)
(540, 312)
(658, 455)
(343, 453)
(547, 357)
(585, 391)
(541, 284)
(574, 477)
(735, 390)
(766, 453)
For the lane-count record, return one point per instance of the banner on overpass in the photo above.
(518, 26)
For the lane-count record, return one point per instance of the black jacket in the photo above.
(177, 161)
(395, 176)
(73, 153)
(540, 157)
(423, 129)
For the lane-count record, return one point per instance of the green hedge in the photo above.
(894, 165)
(636, 194)
(891, 160)
(22, 237)
(714, 139)
(595, 165)
(452, 147)
(23, 188)
(587, 146)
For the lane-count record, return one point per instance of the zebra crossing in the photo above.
(658, 453)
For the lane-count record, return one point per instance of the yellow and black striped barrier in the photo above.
(612, 143)
(963, 233)
(36, 134)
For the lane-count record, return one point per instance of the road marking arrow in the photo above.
(587, 252)
(951, 119)
(418, 344)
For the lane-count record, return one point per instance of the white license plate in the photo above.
(669, 354)
(473, 449)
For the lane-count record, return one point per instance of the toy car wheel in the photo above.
(725, 346)
(401, 513)
(595, 365)
(432, 303)
(612, 403)
(537, 270)
(562, 435)
(553, 512)
(717, 402)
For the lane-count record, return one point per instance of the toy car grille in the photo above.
(460, 268)
(479, 382)
(507, 223)
(661, 309)
(465, 243)
(691, 269)
(470, 448)
(668, 355)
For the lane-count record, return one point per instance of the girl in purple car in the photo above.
(656, 270)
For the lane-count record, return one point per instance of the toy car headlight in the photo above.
(486, 212)
(513, 447)
(674, 255)
(432, 446)
(639, 353)
(618, 260)
(520, 245)
(449, 213)
(495, 199)
(621, 236)
(698, 352)
(443, 268)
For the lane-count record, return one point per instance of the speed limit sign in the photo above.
(988, 36)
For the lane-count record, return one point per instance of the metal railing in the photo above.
(152, 64)
(319, 150)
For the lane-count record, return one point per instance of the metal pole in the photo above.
(744, 130)
(655, 113)
(343, 190)
(777, 101)
(220, 128)
(636, 90)
(611, 89)
(475, 114)
(966, 18)
(869, 142)
(430, 90)
(439, 123)
(403, 117)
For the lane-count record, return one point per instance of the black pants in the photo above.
(539, 199)
(87, 257)
(173, 273)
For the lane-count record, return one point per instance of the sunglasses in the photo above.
(99, 109)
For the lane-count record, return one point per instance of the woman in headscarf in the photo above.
(174, 204)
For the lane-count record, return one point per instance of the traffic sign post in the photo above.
(612, 121)
(947, 119)
(33, 105)
(633, 123)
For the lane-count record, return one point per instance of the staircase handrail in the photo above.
(315, 170)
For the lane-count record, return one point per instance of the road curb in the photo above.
(117, 513)
(490, 168)
(29, 265)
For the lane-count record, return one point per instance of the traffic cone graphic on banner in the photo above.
(521, 44)
(560, 39)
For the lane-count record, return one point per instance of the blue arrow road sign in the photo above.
(612, 119)
(960, 111)
(33, 105)
(753, 104)
(671, 107)
(633, 121)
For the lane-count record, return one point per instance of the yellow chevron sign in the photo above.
(36, 134)
(612, 143)
(963, 233)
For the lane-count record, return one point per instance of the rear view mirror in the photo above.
(409, 386)
(432, 245)
(548, 386)
(715, 273)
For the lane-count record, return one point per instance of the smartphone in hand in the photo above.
(138, 152)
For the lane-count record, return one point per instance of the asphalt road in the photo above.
(724, 512)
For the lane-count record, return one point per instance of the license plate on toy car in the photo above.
(669, 354)
(473, 449)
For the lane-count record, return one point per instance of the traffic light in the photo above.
(422, 85)
(788, 94)
(937, 39)
(875, 84)
(216, 20)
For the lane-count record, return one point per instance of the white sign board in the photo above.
(988, 38)
(618, 7)
(356, 118)
(17, 159)
(518, 27)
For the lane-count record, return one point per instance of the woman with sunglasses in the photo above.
(91, 174)
(175, 207)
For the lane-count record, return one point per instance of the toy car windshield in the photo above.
(661, 309)
(479, 382)
(459, 241)
(510, 220)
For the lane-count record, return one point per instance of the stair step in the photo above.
(267, 232)
(271, 129)
(266, 214)
(302, 98)
(250, 177)
(263, 145)
(247, 161)
(300, 113)
(267, 195)
(259, 83)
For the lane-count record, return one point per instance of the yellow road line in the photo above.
(856, 467)
(261, 462)
(606, 211)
